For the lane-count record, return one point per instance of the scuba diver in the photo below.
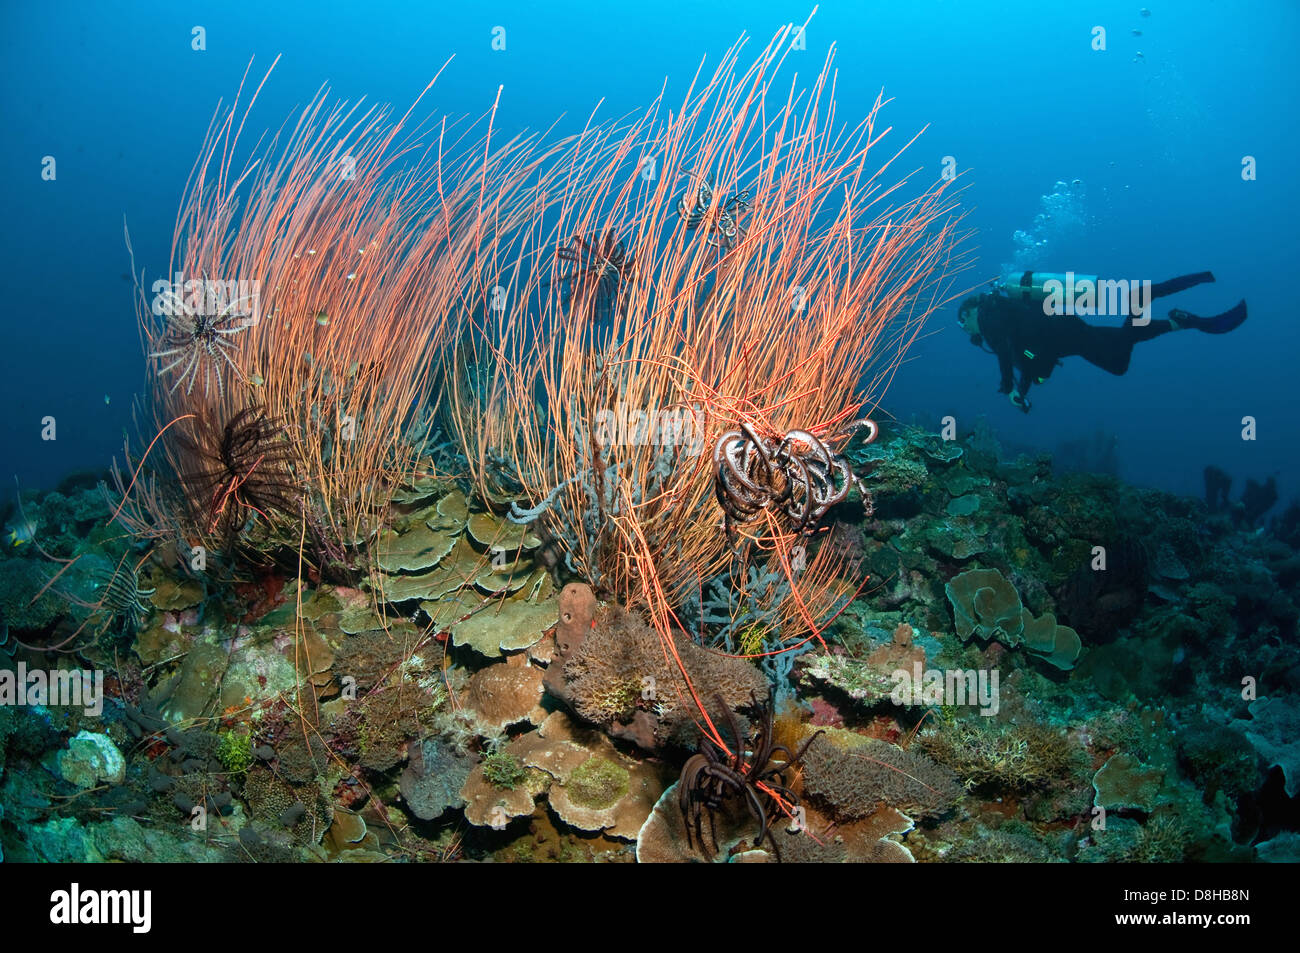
(1021, 322)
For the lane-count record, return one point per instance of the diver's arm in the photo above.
(1019, 395)
(1007, 367)
(999, 328)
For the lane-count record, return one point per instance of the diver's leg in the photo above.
(1152, 329)
(1108, 348)
(1162, 289)
(1111, 349)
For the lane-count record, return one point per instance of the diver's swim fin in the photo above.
(1230, 320)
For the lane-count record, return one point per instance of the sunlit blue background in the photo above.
(1012, 90)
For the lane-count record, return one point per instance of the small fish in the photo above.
(322, 318)
(256, 379)
(106, 400)
(21, 533)
(1145, 12)
(1136, 32)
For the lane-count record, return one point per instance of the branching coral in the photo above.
(1007, 756)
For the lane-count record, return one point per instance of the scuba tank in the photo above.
(1029, 285)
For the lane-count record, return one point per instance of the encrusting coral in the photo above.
(852, 775)
(614, 673)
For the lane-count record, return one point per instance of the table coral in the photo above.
(986, 605)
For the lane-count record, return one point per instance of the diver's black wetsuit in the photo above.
(1033, 343)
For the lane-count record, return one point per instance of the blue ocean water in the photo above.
(1155, 128)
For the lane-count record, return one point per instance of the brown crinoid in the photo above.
(713, 777)
(797, 475)
(242, 472)
(595, 270)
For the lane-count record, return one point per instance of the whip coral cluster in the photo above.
(777, 282)
(318, 281)
(736, 261)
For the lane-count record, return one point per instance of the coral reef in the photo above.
(518, 520)
(327, 724)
